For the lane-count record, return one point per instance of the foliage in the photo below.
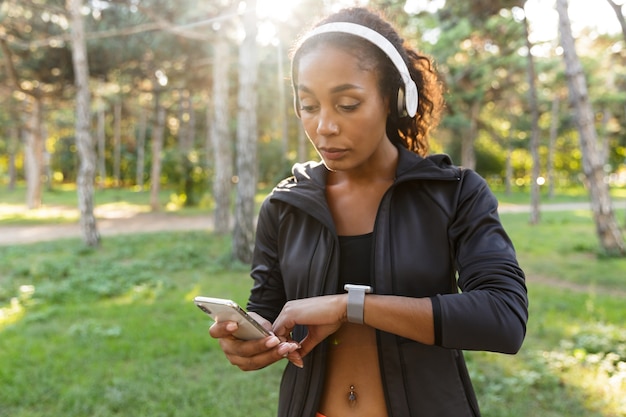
(478, 46)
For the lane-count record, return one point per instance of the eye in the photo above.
(308, 108)
(348, 107)
(347, 104)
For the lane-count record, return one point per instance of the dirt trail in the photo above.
(115, 220)
(108, 223)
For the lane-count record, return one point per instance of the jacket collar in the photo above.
(306, 188)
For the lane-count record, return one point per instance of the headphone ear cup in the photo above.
(401, 103)
(411, 99)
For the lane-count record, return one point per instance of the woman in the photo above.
(396, 226)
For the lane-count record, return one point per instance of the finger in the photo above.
(283, 329)
(260, 359)
(296, 359)
(307, 344)
(249, 348)
(223, 329)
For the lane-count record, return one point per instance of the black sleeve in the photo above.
(491, 312)
(267, 296)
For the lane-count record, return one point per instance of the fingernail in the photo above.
(298, 362)
(284, 349)
(272, 342)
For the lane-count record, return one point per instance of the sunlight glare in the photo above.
(278, 10)
(418, 6)
(544, 20)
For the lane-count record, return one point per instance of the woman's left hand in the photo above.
(322, 316)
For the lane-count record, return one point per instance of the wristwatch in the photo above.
(356, 299)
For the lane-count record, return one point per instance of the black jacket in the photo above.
(437, 222)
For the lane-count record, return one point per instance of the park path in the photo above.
(117, 221)
(129, 223)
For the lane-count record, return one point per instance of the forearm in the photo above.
(404, 316)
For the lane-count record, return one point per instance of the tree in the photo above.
(243, 233)
(36, 72)
(158, 138)
(220, 137)
(472, 45)
(607, 228)
(534, 139)
(84, 141)
(617, 8)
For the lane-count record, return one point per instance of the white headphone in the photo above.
(407, 98)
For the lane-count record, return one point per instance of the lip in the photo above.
(332, 153)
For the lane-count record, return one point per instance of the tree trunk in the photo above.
(508, 177)
(617, 8)
(243, 233)
(158, 134)
(33, 154)
(14, 134)
(117, 142)
(47, 157)
(86, 151)
(141, 148)
(554, 130)
(604, 135)
(607, 227)
(101, 137)
(186, 135)
(534, 138)
(468, 156)
(220, 138)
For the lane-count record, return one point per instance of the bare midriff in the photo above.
(353, 386)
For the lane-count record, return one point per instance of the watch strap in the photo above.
(356, 301)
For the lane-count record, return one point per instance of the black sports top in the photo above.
(355, 260)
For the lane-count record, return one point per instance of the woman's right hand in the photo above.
(250, 355)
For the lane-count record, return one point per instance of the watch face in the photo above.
(356, 287)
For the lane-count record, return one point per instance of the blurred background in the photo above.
(161, 111)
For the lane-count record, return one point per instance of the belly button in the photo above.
(352, 395)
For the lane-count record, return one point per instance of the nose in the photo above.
(326, 123)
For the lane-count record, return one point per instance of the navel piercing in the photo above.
(352, 394)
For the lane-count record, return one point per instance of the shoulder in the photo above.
(304, 191)
(303, 173)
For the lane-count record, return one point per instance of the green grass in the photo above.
(565, 246)
(113, 331)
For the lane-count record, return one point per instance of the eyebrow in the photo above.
(337, 89)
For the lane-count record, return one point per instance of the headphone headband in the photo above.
(410, 102)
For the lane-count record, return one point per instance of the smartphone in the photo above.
(227, 310)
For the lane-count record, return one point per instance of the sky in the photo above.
(584, 14)
(594, 14)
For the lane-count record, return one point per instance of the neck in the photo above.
(381, 167)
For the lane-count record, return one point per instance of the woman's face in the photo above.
(342, 110)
